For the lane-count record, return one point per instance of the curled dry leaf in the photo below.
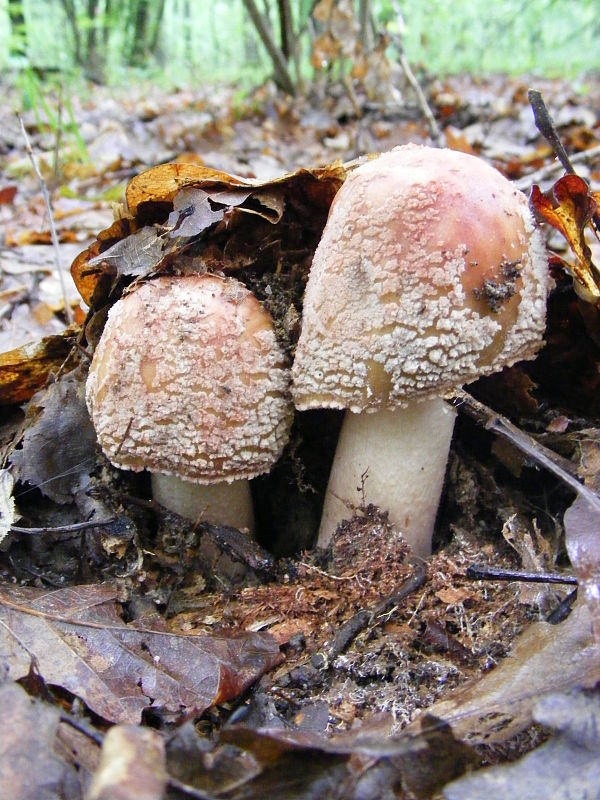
(567, 766)
(201, 196)
(569, 206)
(546, 658)
(81, 644)
(25, 370)
(132, 765)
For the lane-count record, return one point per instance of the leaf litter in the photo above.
(360, 634)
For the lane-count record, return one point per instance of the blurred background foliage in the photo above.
(184, 42)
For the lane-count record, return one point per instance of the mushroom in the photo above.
(188, 381)
(429, 274)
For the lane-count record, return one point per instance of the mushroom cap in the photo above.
(188, 380)
(430, 273)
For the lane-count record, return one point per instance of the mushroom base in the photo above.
(217, 503)
(395, 459)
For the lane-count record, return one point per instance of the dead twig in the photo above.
(76, 526)
(434, 130)
(381, 613)
(560, 467)
(545, 125)
(55, 245)
(548, 170)
(485, 573)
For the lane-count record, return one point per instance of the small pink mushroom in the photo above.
(429, 274)
(188, 381)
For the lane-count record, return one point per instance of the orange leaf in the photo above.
(569, 206)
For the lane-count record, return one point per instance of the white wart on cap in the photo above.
(188, 381)
(429, 274)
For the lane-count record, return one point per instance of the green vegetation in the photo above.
(184, 42)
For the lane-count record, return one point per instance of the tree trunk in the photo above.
(281, 72)
(364, 15)
(95, 62)
(71, 12)
(157, 26)
(139, 47)
(18, 39)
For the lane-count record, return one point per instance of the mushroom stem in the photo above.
(219, 503)
(399, 456)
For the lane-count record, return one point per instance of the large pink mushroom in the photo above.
(430, 273)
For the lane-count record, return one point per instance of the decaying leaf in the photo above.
(370, 761)
(547, 658)
(59, 443)
(137, 255)
(173, 203)
(132, 765)
(8, 511)
(565, 768)
(25, 370)
(81, 644)
(29, 767)
(569, 206)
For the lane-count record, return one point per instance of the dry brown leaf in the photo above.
(547, 658)
(156, 193)
(59, 443)
(81, 644)
(29, 767)
(132, 765)
(25, 370)
(565, 768)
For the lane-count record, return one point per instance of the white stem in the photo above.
(219, 503)
(402, 454)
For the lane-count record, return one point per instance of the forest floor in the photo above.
(295, 673)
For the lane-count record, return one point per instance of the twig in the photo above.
(563, 609)
(76, 526)
(584, 157)
(61, 277)
(434, 129)
(485, 573)
(365, 617)
(545, 125)
(543, 456)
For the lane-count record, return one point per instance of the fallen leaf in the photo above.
(565, 768)
(582, 526)
(59, 444)
(569, 206)
(29, 767)
(81, 644)
(546, 658)
(132, 765)
(25, 370)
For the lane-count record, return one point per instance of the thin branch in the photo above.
(545, 125)
(560, 467)
(485, 573)
(548, 170)
(434, 130)
(46, 196)
(75, 527)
